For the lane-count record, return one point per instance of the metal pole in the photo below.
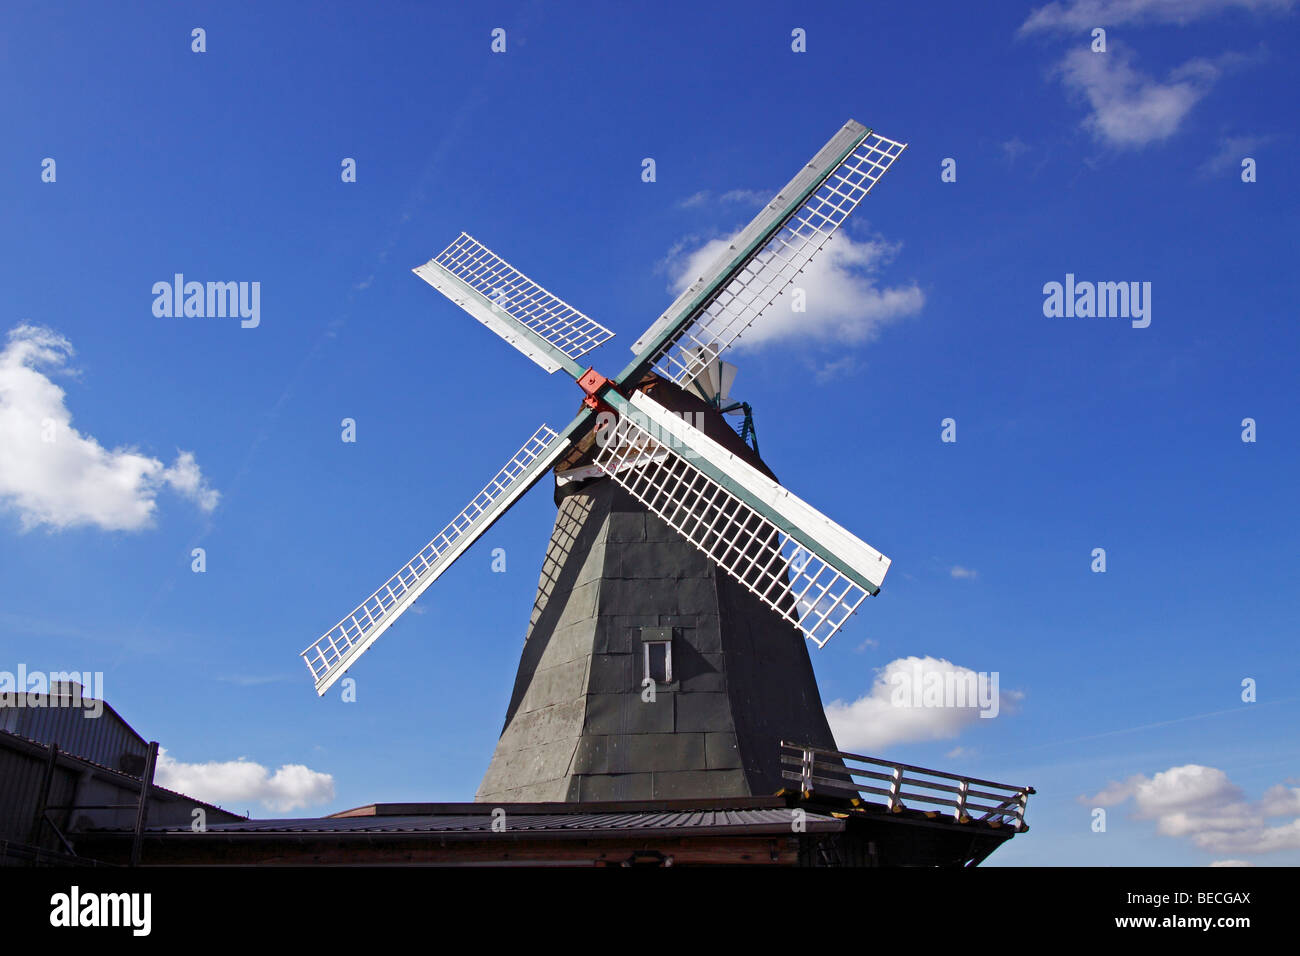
(35, 834)
(145, 784)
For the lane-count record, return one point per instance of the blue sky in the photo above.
(1072, 433)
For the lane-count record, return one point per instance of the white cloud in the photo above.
(1232, 150)
(236, 782)
(752, 197)
(845, 305)
(883, 717)
(834, 369)
(1202, 805)
(749, 197)
(1117, 791)
(1084, 15)
(1129, 109)
(963, 573)
(1231, 863)
(53, 475)
(1013, 148)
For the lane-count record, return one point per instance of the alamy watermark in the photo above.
(918, 687)
(133, 911)
(1102, 300)
(653, 437)
(208, 300)
(81, 689)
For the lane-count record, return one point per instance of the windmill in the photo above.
(664, 655)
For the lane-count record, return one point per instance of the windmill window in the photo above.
(657, 654)
(659, 661)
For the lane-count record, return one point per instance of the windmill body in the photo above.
(647, 672)
(666, 654)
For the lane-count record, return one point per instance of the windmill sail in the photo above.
(336, 650)
(796, 560)
(765, 258)
(541, 325)
(803, 565)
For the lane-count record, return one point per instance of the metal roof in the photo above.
(697, 822)
(53, 719)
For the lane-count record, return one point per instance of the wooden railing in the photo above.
(905, 786)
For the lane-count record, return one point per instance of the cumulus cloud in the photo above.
(1117, 791)
(1128, 108)
(1083, 15)
(845, 303)
(235, 782)
(55, 476)
(1202, 805)
(889, 714)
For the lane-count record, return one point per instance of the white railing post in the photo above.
(806, 771)
(896, 790)
(960, 811)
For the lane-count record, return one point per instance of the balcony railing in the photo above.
(904, 786)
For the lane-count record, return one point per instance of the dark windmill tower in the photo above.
(666, 653)
(648, 672)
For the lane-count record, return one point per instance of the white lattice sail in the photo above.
(734, 306)
(767, 545)
(342, 644)
(523, 313)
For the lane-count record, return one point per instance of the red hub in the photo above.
(593, 383)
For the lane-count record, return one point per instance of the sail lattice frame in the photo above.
(787, 576)
(337, 648)
(736, 305)
(510, 291)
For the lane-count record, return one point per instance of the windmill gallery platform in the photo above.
(62, 805)
(756, 831)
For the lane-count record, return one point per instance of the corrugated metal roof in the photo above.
(730, 821)
(50, 719)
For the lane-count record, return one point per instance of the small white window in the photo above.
(659, 661)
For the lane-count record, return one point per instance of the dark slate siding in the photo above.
(577, 728)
